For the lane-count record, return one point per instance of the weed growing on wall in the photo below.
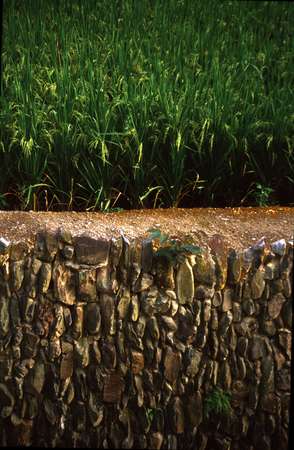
(171, 249)
(217, 402)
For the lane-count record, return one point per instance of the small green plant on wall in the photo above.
(262, 194)
(217, 402)
(150, 415)
(171, 249)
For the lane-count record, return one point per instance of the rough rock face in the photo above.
(103, 345)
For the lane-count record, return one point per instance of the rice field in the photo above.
(146, 104)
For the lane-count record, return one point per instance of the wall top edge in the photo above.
(213, 228)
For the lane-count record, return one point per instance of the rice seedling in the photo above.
(145, 104)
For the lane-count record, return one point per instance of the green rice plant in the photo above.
(192, 100)
(97, 179)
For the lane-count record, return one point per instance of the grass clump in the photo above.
(217, 402)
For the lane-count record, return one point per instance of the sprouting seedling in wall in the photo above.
(171, 249)
(217, 402)
(150, 415)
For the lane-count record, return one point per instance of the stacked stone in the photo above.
(104, 345)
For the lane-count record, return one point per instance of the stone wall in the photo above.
(102, 344)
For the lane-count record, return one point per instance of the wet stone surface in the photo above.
(104, 345)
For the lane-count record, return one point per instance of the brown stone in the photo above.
(214, 319)
(234, 267)
(240, 390)
(16, 270)
(64, 284)
(204, 269)
(66, 366)
(242, 346)
(147, 255)
(113, 387)
(103, 283)
(206, 310)
(177, 415)
(164, 274)
(275, 305)
(237, 312)
(109, 354)
(78, 322)
(201, 336)
(18, 251)
(46, 246)
(194, 409)
(116, 249)
(270, 403)
(202, 440)
(256, 348)
(203, 292)
(59, 326)
(224, 375)
(169, 323)
(64, 236)
(87, 285)
(287, 285)
(285, 340)
(92, 251)
(4, 317)
(108, 314)
(248, 307)
(137, 362)
(25, 433)
(156, 440)
(213, 344)
(144, 282)
(278, 357)
(54, 349)
(268, 327)
(257, 283)
(68, 252)
(248, 326)
(29, 309)
(45, 277)
(92, 318)
(219, 252)
(241, 368)
(152, 326)
(7, 401)
(227, 299)
(81, 352)
(193, 358)
(172, 365)
(134, 308)
(246, 292)
(287, 313)
(283, 378)
(124, 303)
(225, 322)
(30, 345)
(271, 270)
(185, 283)
(217, 299)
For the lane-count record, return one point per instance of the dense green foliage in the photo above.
(146, 104)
